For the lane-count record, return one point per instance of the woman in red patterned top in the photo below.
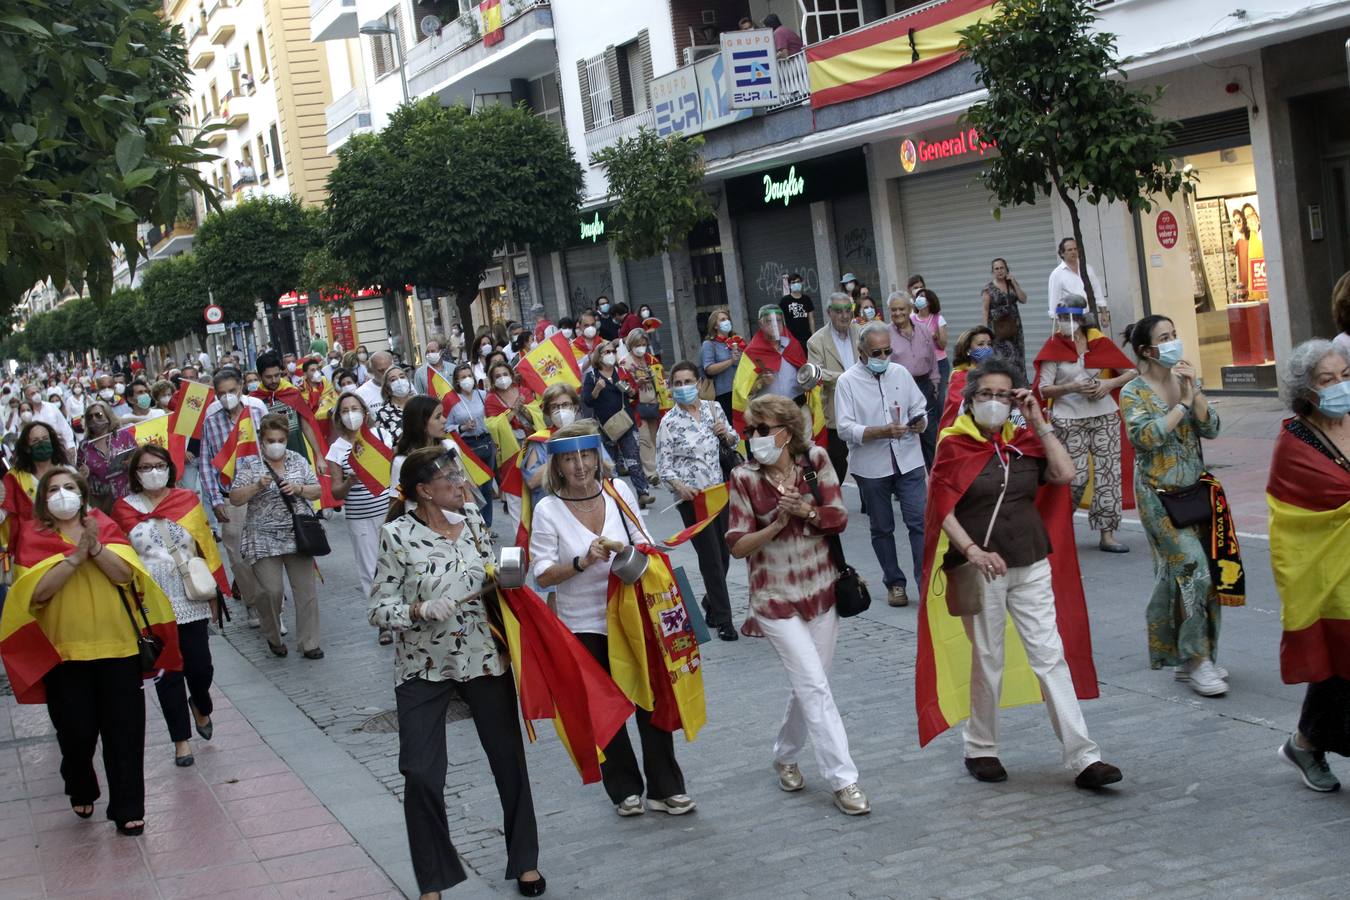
(777, 526)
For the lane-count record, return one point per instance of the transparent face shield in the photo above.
(773, 324)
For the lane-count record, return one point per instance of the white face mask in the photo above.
(316, 376)
(275, 450)
(353, 419)
(568, 333)
(106, 393)
(503, 382)
(64, 504)
(155, 479)
(588, 332)
(466, 384)
(253, 386)
(119, 389)
(433, 358)
(485, 348)
(290, 367)
(564, 417)
(607, 359)
(991, 413)
(645, 313)
(765, 449)
(399, 387)
(164, 401)
(640, 351)
(25, 417)
(229, 401)
(361, 357)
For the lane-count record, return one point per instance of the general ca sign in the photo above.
(942, 149)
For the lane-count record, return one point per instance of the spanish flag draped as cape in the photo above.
(1309, 498)
(653, 654)
(1102, 353)
(759, 364)
(28, 642)
(942, 670)
(20, 487)
(951, 404)
(558, 679)
(183, 507)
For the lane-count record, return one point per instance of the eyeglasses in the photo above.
(763, 429)
(1000, 396)
(146, 470)
(840, 309)
(880, 352)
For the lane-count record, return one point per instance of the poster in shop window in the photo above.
(750, 58)
(1248, 247)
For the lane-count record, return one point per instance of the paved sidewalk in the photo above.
(240, 823)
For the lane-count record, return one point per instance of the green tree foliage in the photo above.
(118, 328)
(81, 332)
(175, 296)
(1059, 109)
(430, 198)
(91, 139)
(256, 251)
(656, 182)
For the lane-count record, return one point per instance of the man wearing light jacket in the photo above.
(835, 349)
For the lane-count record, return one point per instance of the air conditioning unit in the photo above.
(700, 51)
(232, 60)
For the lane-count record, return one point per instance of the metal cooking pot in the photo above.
(808, 376)
(511, 568)
(630, 564)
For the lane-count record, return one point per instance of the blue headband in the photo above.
(573, 444)
(1070, 310)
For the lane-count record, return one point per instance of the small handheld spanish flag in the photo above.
(475, 468)
(243, 441)
(708, 504)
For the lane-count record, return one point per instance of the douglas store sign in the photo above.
(943, 149)
(799, 183)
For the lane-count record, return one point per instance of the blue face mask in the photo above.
(685, 394)
(604, 307)
(1334, 400)
(724, 326)
(878, 366)
(1169, 353)
(980, 354)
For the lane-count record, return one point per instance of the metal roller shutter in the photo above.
(855, 242)
(647, 286)
(588, 275)
(544, 287)
(772, 245)
(951, 236)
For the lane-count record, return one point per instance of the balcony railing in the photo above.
(346, 116)
(794, 85)
(457, 36)
(608, 135)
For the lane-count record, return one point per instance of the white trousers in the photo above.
(365, 534)
(806, 650)
(1027, 595)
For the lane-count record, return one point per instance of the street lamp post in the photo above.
(377, 29)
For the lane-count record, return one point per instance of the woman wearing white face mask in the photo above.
(396, 391)
(997, 501)
(560, 405)
(167, 527)
(1166, 415)
(507, 395)
(468, 416)
(653, 397)
(610, 390)
(779, 529)
(268, 541)
(363, 510)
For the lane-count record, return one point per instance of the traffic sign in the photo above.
(213, 315)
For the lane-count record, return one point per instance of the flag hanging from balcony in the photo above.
(491, 12)
(879, 57)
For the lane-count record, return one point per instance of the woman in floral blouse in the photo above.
(687, 458)
(779, 529)
(428, 579)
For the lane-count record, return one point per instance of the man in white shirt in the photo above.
(881, 413)
(370, 392)
(834, 349)
(51, 415)
(1067, 279)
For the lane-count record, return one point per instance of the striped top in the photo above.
(360, 503)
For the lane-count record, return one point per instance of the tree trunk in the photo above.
(465, 297)
(1077, 239)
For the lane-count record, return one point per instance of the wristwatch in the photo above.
(811, 516)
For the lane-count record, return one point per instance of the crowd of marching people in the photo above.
(494, 494)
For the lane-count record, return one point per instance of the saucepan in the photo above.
(808, 376)
(629, 563)
(511, 568)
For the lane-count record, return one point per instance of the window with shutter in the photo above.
(614, 74)
(645, 55)
(587, 114)
(598, 87)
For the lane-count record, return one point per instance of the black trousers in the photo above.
(724, 400)
(714, 560)
(838, 453)
(928, 440)
(619, 771)
(422, 760)
(174, 688)
(1325, 721)
(101, 699)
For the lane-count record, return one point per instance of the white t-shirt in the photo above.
(556, 536)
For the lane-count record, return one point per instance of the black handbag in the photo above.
(310, 537)
(850, 590)
(148, 644)
(1192, 504)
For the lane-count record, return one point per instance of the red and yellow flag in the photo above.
(439, 389)
(475, 468)
(708, 503)
(493, 28)
(189, 409)
(371, 461)
(158, 431)
(553, 361)
(185, 508)
(243, 441)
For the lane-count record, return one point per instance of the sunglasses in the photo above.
(880, 352)
(763, 430)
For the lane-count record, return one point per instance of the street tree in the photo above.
(80, 327)
(430, 198)
(118, 328)
(656, 182)
(175, 297)
(1066, 123)
(91, 138)
(256, 251)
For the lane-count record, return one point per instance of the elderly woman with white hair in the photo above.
(647, 374)
(1309, 497)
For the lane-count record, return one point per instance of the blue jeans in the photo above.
(626, 452)
(911, 489)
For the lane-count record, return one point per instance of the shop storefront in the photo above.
(586, 263)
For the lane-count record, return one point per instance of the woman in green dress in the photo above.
(1166, 414)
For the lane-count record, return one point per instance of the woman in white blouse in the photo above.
(571, 534)
(429, 584)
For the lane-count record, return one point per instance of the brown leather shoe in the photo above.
(1098, 775)
(986, 768)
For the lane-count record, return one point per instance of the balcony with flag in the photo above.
(481, 51)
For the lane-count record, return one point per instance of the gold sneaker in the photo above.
(789, 776)
(852, 801)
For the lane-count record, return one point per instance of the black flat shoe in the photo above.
(728, 632)
(986, 768)
(130, 830)
(534, 888)
(74, 807)
(277, 649)
(204, 730)
(316, 653)
(1113, 548)
(183, 762)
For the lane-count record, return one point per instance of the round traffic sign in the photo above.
(214, 314)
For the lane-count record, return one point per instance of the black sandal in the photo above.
(74, 807)
(131, 830)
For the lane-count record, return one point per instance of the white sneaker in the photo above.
(284, 630)
(852, 801)
(789, 776)
(631, 806)
(1180, 673)
(1205, 679)
(674, 805)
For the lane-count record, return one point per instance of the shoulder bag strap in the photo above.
(1007, 476)
(126, 605)
(832, 541)
(288, 500)
(167, 536)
